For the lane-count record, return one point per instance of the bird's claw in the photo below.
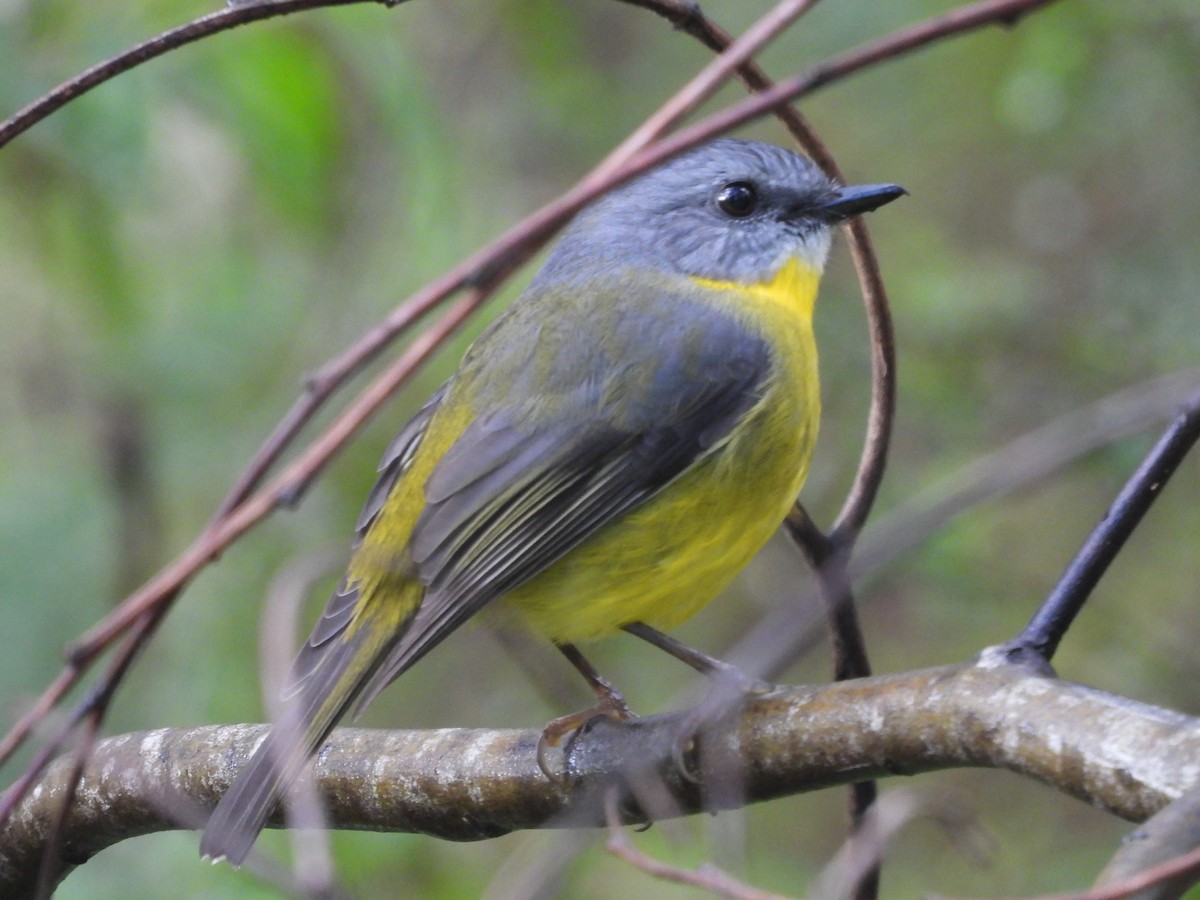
(612, 706)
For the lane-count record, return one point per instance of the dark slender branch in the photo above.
(1050, 623)
(805, 534)
(829, 562)
(205, 26)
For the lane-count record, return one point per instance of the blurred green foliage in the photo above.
(182, 245)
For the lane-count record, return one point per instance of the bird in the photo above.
(610, 452)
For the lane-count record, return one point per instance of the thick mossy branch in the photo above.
(465, 784)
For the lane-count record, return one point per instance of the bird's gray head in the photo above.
(730, 210)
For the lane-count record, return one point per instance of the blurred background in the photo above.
(179, 248)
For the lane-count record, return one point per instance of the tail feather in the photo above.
(243, 811)
(333, 685)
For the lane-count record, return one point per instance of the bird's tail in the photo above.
(326, 692)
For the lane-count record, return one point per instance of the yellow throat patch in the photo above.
(793, 289)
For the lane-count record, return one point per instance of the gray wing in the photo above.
(509, 498)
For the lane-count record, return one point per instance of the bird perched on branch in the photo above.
(610, 452)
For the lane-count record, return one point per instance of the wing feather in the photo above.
(396, 459)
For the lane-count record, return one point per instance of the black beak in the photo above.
(848, 202)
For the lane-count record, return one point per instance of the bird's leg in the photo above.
(706, 665)
(608, 696)
(609, 703)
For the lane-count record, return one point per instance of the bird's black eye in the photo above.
(737, 199)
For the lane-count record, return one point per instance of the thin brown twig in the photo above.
(688, 18)
(205, 26)
(706, 876)
(55, 691)
(731, 57)
(1187, 864)
(19, 789)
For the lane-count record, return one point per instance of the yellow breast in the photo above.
(664, 561)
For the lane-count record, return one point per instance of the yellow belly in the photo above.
(663, 562)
